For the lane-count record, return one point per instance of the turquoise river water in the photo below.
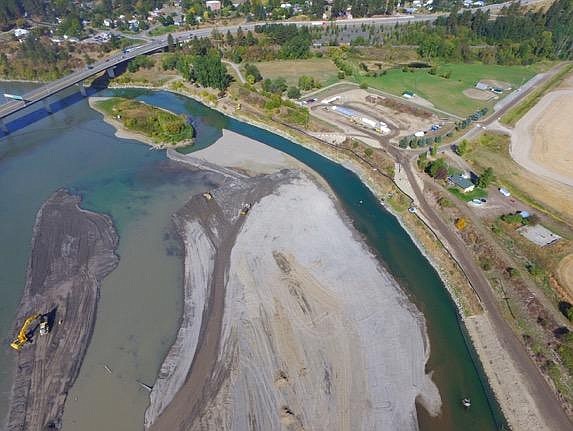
(140, 302)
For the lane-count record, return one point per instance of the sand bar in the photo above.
(292, 319)
(72, 251)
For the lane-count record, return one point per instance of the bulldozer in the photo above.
(23, 336)
(245, 209)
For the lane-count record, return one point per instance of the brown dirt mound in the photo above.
(474, 93)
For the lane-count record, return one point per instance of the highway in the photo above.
(160, 42)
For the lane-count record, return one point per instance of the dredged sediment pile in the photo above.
(289, 321)
(72, 251)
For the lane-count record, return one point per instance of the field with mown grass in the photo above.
(447, 93)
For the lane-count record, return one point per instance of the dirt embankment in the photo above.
(72, 251)
(281, 334)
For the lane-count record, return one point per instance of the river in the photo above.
(141, 300)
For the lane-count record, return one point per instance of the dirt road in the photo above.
(72, 251)
(552, 415)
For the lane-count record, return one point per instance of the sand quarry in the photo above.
(283, 333)
(542, 140)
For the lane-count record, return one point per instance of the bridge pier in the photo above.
(111, 72)
(47, 106)
(82, 88)
(3, 126)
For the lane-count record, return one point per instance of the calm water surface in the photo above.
(141, 300)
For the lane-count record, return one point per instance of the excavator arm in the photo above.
(22, 337)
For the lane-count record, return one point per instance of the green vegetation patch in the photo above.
(161, 126)
(447, 93)
(476, 193)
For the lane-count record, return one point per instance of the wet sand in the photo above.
(72, 251)
(290, 319)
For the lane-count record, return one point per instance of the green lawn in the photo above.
(476, 193)
(447, 94)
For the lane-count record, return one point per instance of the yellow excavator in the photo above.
(22, 337)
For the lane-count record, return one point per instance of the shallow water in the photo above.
(140, 302)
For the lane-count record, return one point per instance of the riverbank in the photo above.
(424, 238)
(135, 113)
(72, 251)
(296, 299)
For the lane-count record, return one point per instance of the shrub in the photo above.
(293, 93)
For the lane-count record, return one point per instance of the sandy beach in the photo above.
(292, 320)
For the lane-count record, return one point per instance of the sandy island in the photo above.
(72, 251)
(289, 320)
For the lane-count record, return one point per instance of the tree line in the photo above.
(516, 36)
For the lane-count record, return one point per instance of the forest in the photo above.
(514, 37)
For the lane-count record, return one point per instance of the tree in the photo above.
(485, 178)
(306, 83)
(210, 72)
(434, 150)
(462, 148)
(252, 70)
(170, 42)
(293, 93)
(436, 166)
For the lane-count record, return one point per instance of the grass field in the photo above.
(322, 69)
(466, 197)
(447, 94)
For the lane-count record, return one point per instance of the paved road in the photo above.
(159, 42)
(53, 87)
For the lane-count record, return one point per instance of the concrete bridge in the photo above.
(42, 93)
(45, 91)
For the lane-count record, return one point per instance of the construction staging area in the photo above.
(72, 251)
(358, 112)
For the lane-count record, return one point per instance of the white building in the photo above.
(21, 32)
(213, 5)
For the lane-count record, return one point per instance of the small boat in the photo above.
(466, 403)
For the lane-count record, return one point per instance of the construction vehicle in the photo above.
(24, 333)
(245, 209)
(208, 196)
